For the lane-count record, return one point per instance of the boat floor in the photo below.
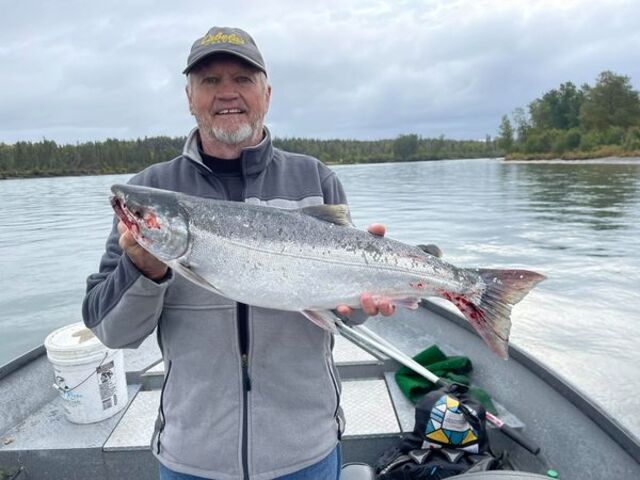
(35, 434)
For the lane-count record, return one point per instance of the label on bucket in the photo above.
(107, 385)
(67, 394)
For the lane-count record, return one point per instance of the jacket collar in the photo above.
(254, 159)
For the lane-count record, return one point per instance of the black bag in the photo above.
(449, 437)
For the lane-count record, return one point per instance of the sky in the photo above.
(77, 71)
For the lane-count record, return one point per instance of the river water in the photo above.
(576, 222)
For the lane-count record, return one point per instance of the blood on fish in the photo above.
(151, 221)
(466, 307)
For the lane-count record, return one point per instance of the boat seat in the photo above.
(362, 471)
(357, 471)
(501, 475)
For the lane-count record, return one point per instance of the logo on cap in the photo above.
(220, 37)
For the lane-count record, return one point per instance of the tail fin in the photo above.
(490, 313)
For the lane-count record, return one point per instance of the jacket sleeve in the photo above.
(121, 305)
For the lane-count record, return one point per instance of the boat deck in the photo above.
(35, 434)
(121, 443)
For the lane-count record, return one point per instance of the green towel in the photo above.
(455, 369)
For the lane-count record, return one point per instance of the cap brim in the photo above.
(197, 60)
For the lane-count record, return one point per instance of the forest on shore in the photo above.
(47, 158)
(574, 123)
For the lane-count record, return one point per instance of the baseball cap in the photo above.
(233, 41)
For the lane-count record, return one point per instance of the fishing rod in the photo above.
(365, 338)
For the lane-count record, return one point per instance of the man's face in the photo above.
(229, 99)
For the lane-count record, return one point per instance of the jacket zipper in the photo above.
(162, 419)
(336, 389)
(243, 338)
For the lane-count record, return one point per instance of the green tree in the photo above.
(405, 146)
(611, 103)
(505, 134)
(522, 125)
(558, 109)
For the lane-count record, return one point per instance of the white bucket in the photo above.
(89, 376)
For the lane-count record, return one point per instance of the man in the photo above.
(249, 392)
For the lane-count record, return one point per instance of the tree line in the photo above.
(47, 158)
(572, 122)
(566, 121)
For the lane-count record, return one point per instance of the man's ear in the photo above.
(268, 95)
(187, 90)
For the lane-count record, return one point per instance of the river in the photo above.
(576, 222)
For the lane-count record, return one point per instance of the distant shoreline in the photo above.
(64, 173)
(514, 156)
(86, 173)
(603, 152)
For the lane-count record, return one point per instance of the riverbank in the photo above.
(59, 173)
(602, 152)
(118, 171)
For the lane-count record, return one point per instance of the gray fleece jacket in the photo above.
(225, 415)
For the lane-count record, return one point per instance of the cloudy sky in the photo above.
(78, 71)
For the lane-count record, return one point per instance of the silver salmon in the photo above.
(309, 260)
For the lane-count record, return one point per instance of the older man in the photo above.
(249, 392)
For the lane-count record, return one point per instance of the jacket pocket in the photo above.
(161, 419)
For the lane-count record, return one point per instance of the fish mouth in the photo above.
(136, 219)
(121, 211)
(130, 219)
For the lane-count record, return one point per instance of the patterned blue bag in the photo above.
(449, 438)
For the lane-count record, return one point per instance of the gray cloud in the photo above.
(78, 71)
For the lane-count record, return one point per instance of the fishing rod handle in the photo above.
(520, 439)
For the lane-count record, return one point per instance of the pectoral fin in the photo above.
(410, 303)
(192, 276)
(325, 319)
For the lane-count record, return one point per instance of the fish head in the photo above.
(155, 218)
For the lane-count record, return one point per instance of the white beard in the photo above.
(235, 137)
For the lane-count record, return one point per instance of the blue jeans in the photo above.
(326, 469)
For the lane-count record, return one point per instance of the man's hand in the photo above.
(371, 305)
(149, 265)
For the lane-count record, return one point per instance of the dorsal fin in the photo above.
(338, 214)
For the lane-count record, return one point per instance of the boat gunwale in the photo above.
(619, 433)
(18, 362)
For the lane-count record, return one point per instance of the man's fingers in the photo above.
(126, 241)
(368, 304)
(344, 310)
(146, 263)
(374, 305)
(371, 305)
(377, 229)
(386, 307)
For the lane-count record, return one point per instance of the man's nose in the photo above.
(227, 91)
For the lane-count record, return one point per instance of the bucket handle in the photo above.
(62, 390)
